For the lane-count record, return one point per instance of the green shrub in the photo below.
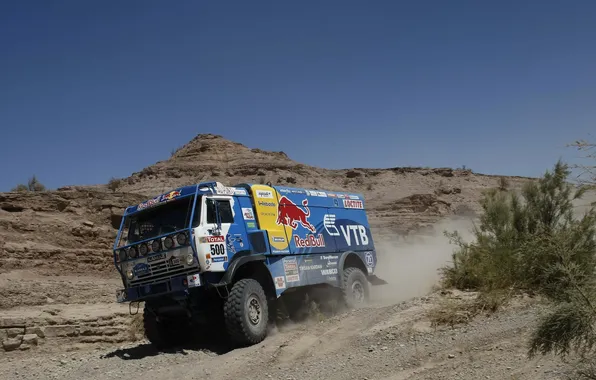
(526, 242)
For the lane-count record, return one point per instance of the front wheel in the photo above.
(246, 312)
(165, 333)
(356, 292)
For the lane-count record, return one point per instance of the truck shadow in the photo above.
(145, 350)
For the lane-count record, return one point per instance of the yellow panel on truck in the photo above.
(266, 205)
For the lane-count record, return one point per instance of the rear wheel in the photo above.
(165, 333)
(246, 312)
(356, 292)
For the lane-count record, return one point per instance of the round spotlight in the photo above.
(168, 242)
(190, 259)
(133, 252)
(122, 254)
(143, 249)
(129, 274)
(156, 245)
(181, 238)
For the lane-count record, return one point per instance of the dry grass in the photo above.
(461, 309)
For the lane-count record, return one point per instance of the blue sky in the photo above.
(94, 89)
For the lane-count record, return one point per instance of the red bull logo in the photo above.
(311, 241)
(171, 195)
(289, 214)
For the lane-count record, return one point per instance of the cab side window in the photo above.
(225, 211)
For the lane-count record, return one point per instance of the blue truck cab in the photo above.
(210, 253)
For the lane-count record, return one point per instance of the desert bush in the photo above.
(20, 188)
(503, 184)
(114, 184)
(33, 184)
(527, 242)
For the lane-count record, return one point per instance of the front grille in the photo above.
(163, 270)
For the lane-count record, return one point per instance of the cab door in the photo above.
(219, 234)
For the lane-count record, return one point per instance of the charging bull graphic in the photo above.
(289, 214)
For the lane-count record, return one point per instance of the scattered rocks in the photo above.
(11, 344)
(30, 339)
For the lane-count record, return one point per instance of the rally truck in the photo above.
(210, 255)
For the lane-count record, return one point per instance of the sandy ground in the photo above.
(381, 342)
(393, 339)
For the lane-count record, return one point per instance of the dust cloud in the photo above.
(411, 264)
(584, 204)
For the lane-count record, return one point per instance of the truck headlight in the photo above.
(129, 274)
(190, 259)
(133, 252)
(181, 238)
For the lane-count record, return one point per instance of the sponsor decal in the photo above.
(149, 203)
(332, 195)
(265, 194)
(239, 192)
(279, 239)
(322, 194)
(329, 224)
(291, 270)
(193, 280)
(328, 272)
(280, 282)
(140, 269)
(212, 239)
(248, 214)
(266, 204)
(220, 259)
(359, 232)
(354, 197)
(230, 243)
(173, 261)
(336, 202)
(311, 267)
(329, 257)
(285, 191)
(289, 214)
(169, 196)
(368, 257)
(310, 241)
(350, 203)
(159, 256)
(331, 260)
(224, 190)
(251, 225)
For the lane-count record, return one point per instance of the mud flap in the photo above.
(374, 280)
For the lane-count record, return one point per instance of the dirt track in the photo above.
(384, 342)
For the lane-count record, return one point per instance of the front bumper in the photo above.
(172, 285)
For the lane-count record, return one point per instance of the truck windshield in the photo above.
(170, 217)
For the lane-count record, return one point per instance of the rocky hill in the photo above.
(55, 245)
(399, 199)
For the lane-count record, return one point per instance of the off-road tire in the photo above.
(165, 334)
(355, 278)
(237, 312)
